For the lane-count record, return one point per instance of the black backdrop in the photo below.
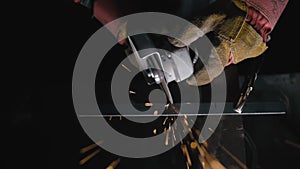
(41, 41)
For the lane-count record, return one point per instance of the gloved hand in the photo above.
(214, 64)
(234, 40)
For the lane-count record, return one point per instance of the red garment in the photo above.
(264, 14)
(106, 11)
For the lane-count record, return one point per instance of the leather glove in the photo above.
(233, 38)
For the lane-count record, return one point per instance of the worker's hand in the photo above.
(215, 63)
(233, 38)
(191, 34)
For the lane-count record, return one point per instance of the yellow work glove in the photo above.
(237, 41)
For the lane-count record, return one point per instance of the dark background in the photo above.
(42, 40)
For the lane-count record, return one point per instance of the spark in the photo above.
(205, 144)
(185, 125)
(187, 165)
(125, 67)
(120, 117)
(110, 117)
(164, 123)
(169, 130)
(87, 158)
(154, 131)
(185, 116)
(114, 164)
(167, 135)
(208, 161)
(291, 143)
(131, 92)
(173, 131)
(167, 106)
(186, 122)
(155, 113)
(148, 104)
(202, 157)
(186, 153)
(89, 147)
(238, 161)
(193, 144)
(203, 164)
(175, 125)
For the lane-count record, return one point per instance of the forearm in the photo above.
(106, 11)
(263, 15)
